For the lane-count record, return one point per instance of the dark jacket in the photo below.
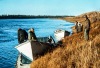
(80, 27)
(32, 36)
(76, 26)
(87, 24)
(25, 34)
(22, 35)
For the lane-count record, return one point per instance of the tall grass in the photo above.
(75, 53)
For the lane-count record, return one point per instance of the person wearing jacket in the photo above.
(22, 35)
(32, 35)
(76, 26)
(86, 28)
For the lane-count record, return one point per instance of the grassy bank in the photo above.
(75, 52)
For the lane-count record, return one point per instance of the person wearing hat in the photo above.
(32, 35)
(86, 28)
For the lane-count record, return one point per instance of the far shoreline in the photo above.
(31, 17)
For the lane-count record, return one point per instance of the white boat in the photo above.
(25, 48)
(60, 34)
(32, 49)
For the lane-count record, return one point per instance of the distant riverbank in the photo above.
(29, 16)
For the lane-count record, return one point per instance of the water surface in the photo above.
(8, 35)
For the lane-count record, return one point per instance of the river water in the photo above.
(8, 35)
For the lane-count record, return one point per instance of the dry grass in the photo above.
(79, 54)
(93, 16)
(83, 56)
(75, 53)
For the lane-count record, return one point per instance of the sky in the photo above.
(48, 7)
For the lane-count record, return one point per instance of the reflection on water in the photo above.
(8, 35)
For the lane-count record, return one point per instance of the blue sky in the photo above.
(48, 7)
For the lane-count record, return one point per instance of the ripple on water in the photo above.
(8, 35)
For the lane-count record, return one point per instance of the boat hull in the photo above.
(26, 49)
(33, 49)
(60, 34)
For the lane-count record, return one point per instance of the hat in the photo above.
(19, 29)
(32, 29)
(85, 16)
(29, 30)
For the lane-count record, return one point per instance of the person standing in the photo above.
(32, 35)
(22, 35)
(86, 28)
(25, 35)
(80, 27)
(76, 27)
